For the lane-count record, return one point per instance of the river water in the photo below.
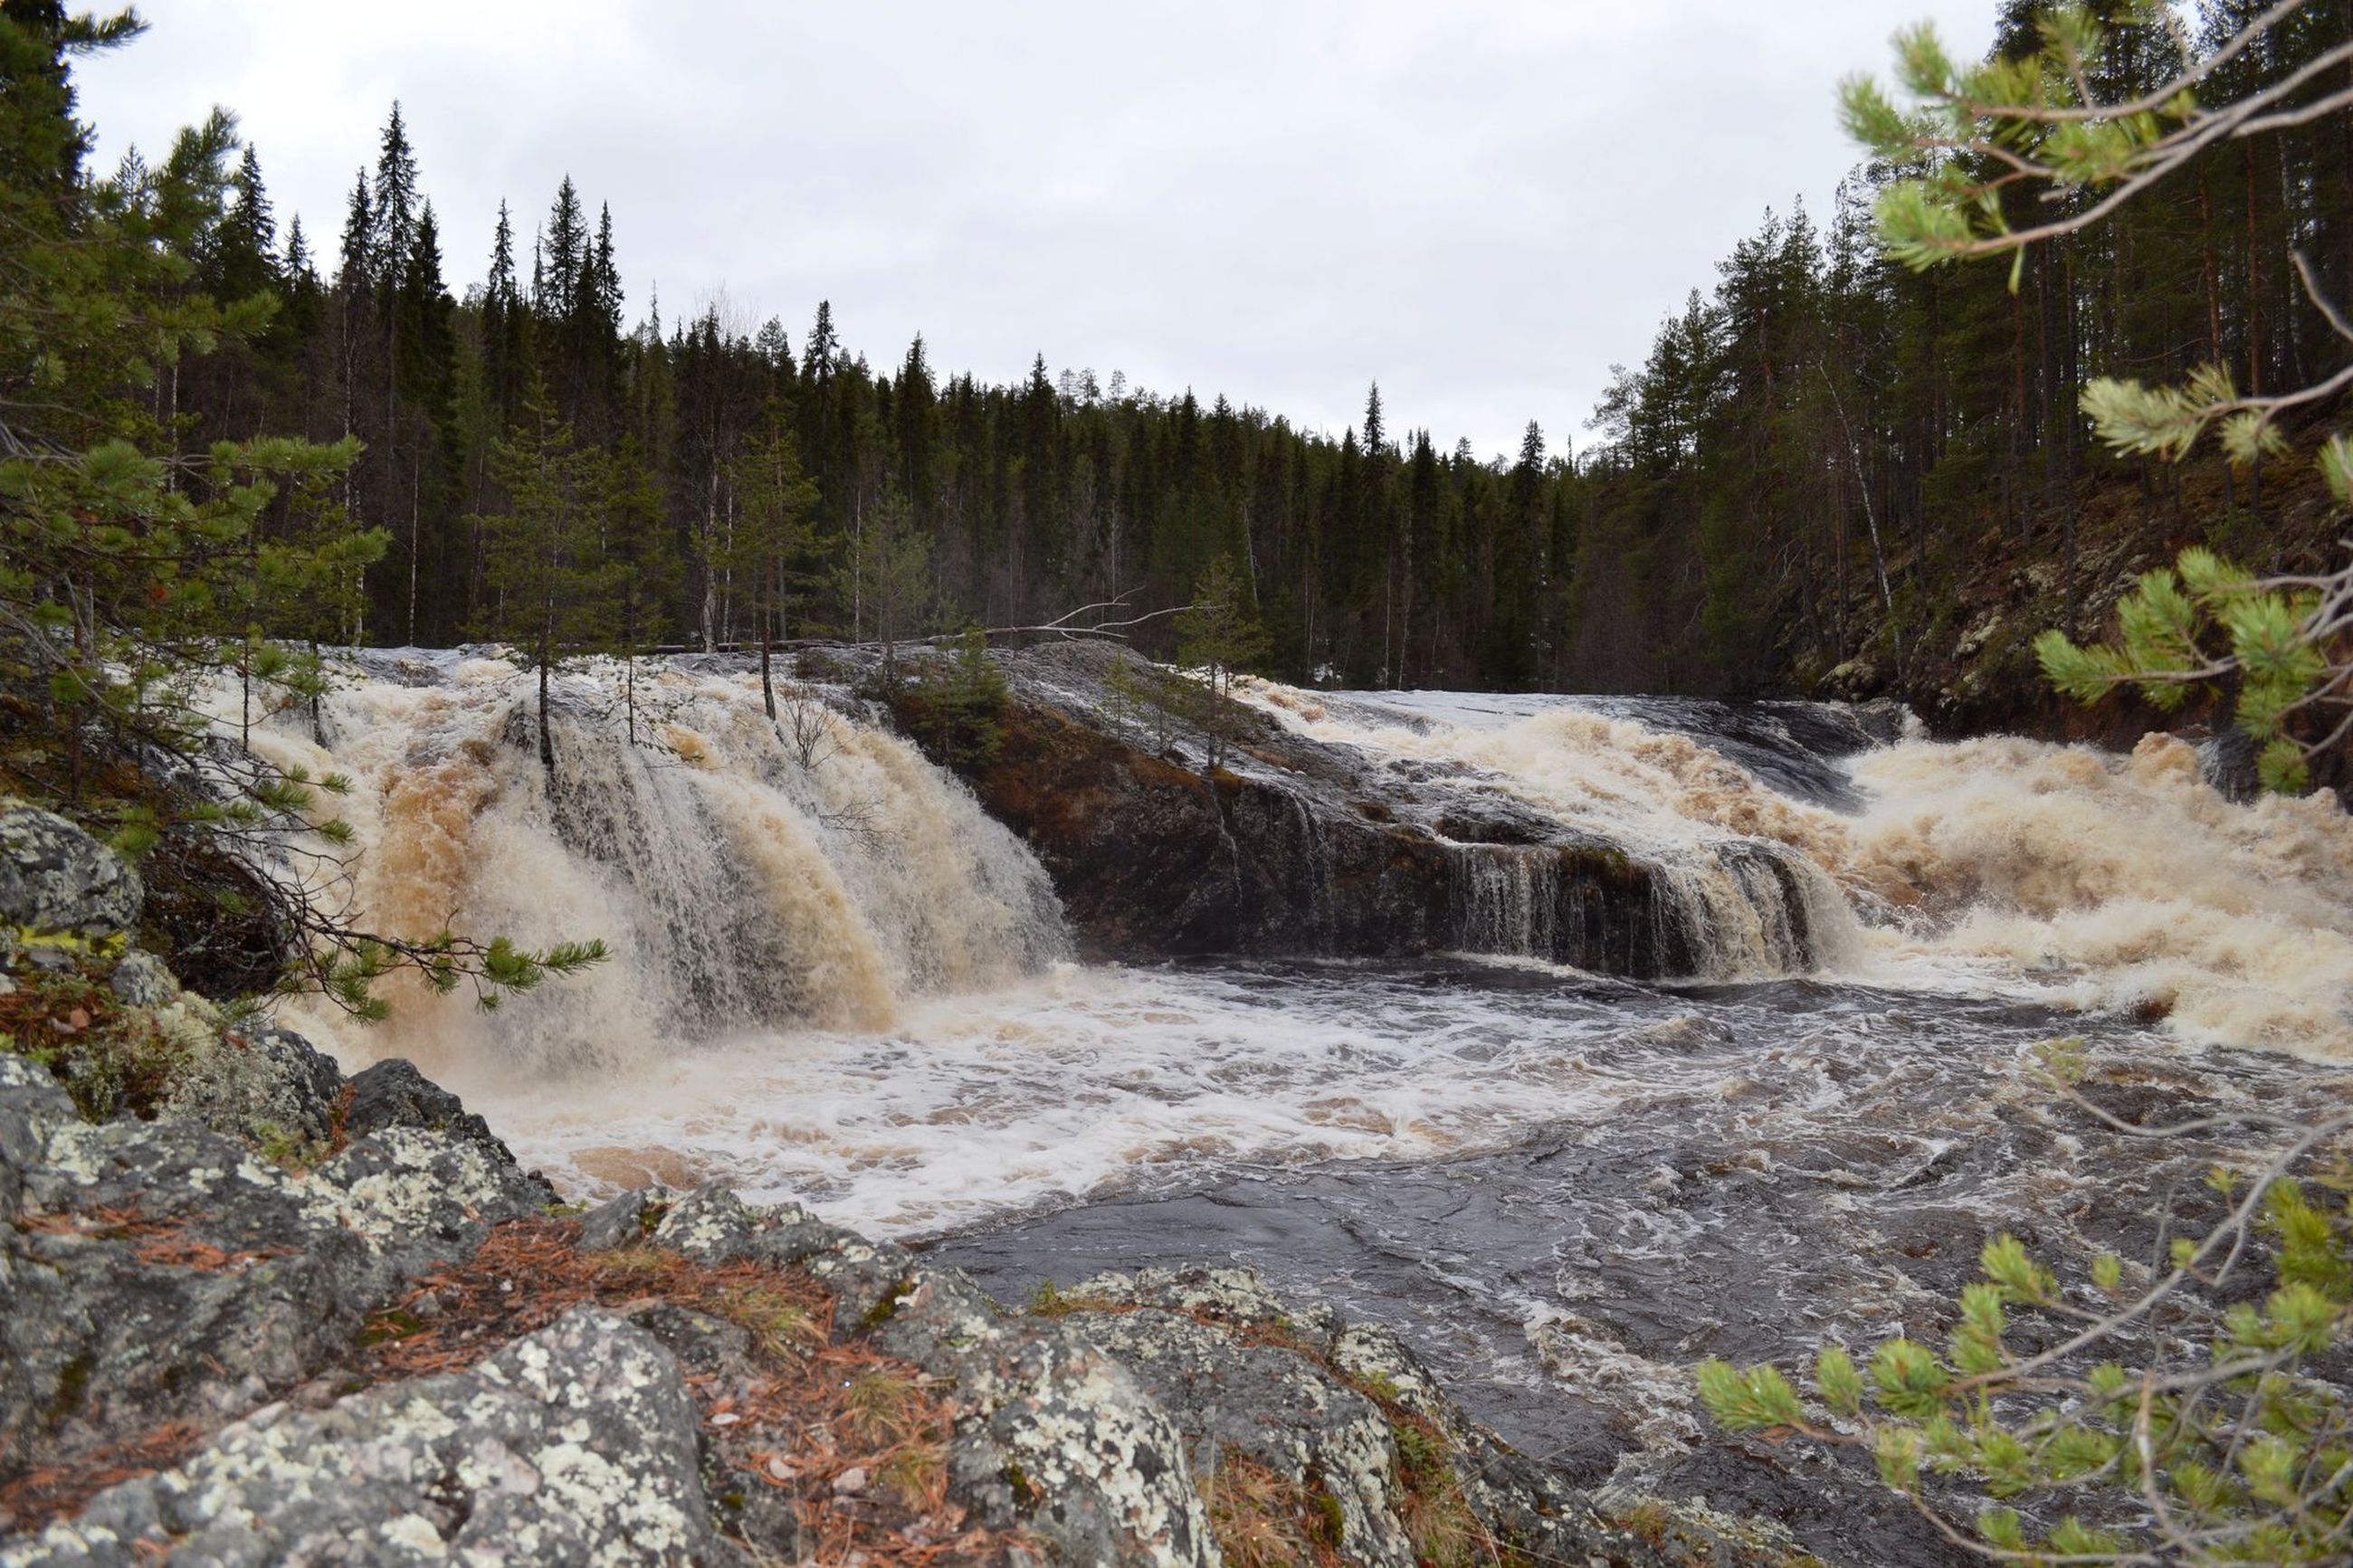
(840, 983)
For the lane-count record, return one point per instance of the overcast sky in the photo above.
(1479, 204)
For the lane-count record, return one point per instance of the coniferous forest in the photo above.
(1817, 447)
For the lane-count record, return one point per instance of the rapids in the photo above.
(837, 980)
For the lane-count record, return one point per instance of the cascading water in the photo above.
(742, 881)
(1729, 888)
(2054, 872)
(835, 980)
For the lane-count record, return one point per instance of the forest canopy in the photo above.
(1819, 450)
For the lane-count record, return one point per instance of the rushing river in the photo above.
(842, 985)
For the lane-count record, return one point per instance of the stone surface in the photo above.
(54, 878)
(1297, 846)
(259, 1083)
(573, 1445)
(143, 980)
(393, 1093)
(161, 1270)
(1051, 1434)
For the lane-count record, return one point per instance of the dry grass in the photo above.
(1260, 1519)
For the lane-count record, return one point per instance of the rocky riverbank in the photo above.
(259, 1312)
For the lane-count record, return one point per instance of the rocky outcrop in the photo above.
(1292, 847)
(271, 1315)
(56, 879)
(576, 1445)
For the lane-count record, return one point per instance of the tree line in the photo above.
(1814, 454)
(748, 485)
(1817, 451)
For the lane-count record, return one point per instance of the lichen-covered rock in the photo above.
(1051, 1434)
(1345, 1413)
(261, 1083)
(574, 1445)
(143, 980)
(55, 878)
(393, 1093)
(1275, 1406)
(156, 1271)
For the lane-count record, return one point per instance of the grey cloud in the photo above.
(1481, 205)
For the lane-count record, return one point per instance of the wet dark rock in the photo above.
(2226, 761)
(54, 878)
(393, 1093)
(1297, 848)
(576, 1445)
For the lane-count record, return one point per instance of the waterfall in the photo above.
(742, 881)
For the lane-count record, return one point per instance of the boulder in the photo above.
(393, 1093)
(160, 1271)
(262, 1084)
(143, 980)
(574, 1445)
(56, 879)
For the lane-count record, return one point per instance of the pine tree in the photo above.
(776, 534)
(963, 706)
(544, 554)
(887, 575)
(1219, 635)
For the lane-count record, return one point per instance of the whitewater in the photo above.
(836, 980)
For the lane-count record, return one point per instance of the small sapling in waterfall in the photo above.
(557, 585)
(1219, 635)
(965, 703)
(773, 536)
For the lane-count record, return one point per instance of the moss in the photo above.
(1051, 1301)
(289, 1151)
(1431, 1505)
(782, 1327)
(111, 1060)
(73, 1387)
(886, 1309)
(1328, 1522)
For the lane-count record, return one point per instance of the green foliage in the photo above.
(1219, 635)
(963, 706)
(2248, 1448)
(886, 580)
(2039, 120)
(2194, 624)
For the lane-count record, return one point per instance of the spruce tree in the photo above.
(556, 587)
(1219, 635)
(775, 538)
